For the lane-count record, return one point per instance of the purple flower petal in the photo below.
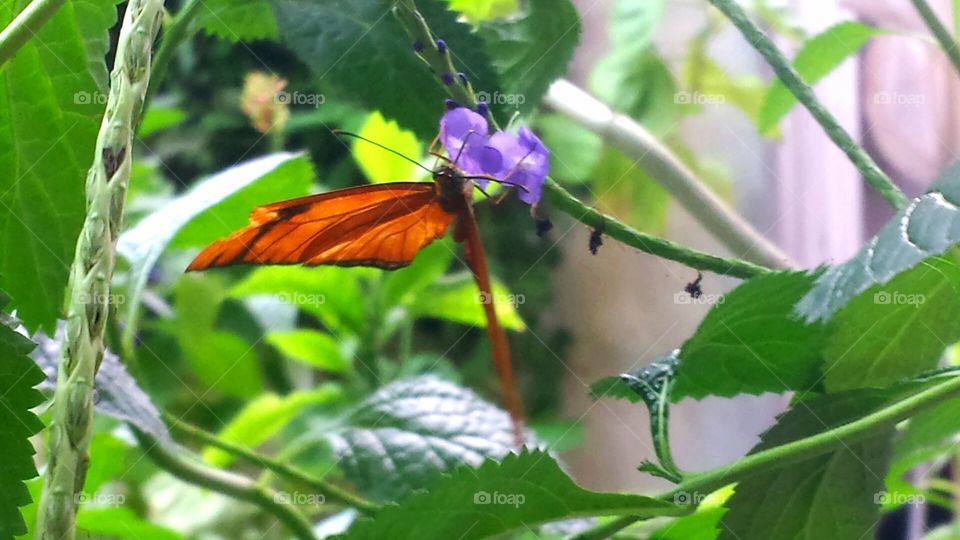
(525, 162)
(463, 134)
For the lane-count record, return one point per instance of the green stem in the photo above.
(440, 62)
(25, 25)
(226, 483)
(174, 34)
(328, 490)
(91, 272)
(875, 177)
(940, 32)
(794, 452)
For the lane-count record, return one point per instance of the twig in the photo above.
(25, 25)
(328, 490)
(666, 169)
(91, 272)
(947, 43)
(227, 483)
(875, 177)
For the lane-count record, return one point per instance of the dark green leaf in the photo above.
(51, 101)
(358, 49)
(530, 51)
(753, 342)
(411, 430)
(518, 493)
(896, 330)
(830, 496)
(18, 376)
(817, 58)
(237, 20)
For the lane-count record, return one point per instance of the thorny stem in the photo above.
(947, 43)
(89, 284)
(226, 483)
(328, 490)
(25, 25)
(563, 200)
(794, 452)
(875, 177)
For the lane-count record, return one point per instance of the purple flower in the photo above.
(464, 135)
(525, 161)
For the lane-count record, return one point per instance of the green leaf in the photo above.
(518, 493)
(928, 226)
(313, 348)
(753, 342)
(122, 523)
(157, 118)
(700, 525)
(411, 430)
(213, 208)
(334, 295)
(894, 331)
(530, 51)
(404, 284)
(18, 376)
(377, 164)
(236, 20)
(483, 10)
(51, 102)
(574, 150)
(629, 193)
(710, 84)
(458, 300)
(830, 496)
(263, 417)
(358, 49)
(640, 86)
(819, 56)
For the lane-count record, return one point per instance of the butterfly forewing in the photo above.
(383, 226)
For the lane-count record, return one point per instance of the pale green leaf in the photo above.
(313, 348)
(458, 300)
(377, 164)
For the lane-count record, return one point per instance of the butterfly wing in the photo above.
(383, 225)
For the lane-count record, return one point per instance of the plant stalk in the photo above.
(944, 38)
(90, 274)
(174, 34)
(871, 172)
(226, 483)
(25, 25)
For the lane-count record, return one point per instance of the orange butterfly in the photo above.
(382, 226)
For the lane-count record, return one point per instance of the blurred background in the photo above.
(210, 348)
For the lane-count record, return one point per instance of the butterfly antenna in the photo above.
(378, 145)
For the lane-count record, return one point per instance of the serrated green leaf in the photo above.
(819, 56)
(313, 348)
(928, 226)
(18, 376)
(894, 331)
(830, 496)
(377, 164)
(411, 430)
(237, 20)
(213, 208)
(457, 299)
(530, 51)
(51, 102)
(358, 49)
(263, 417)
(518, 493)
(753, 342)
